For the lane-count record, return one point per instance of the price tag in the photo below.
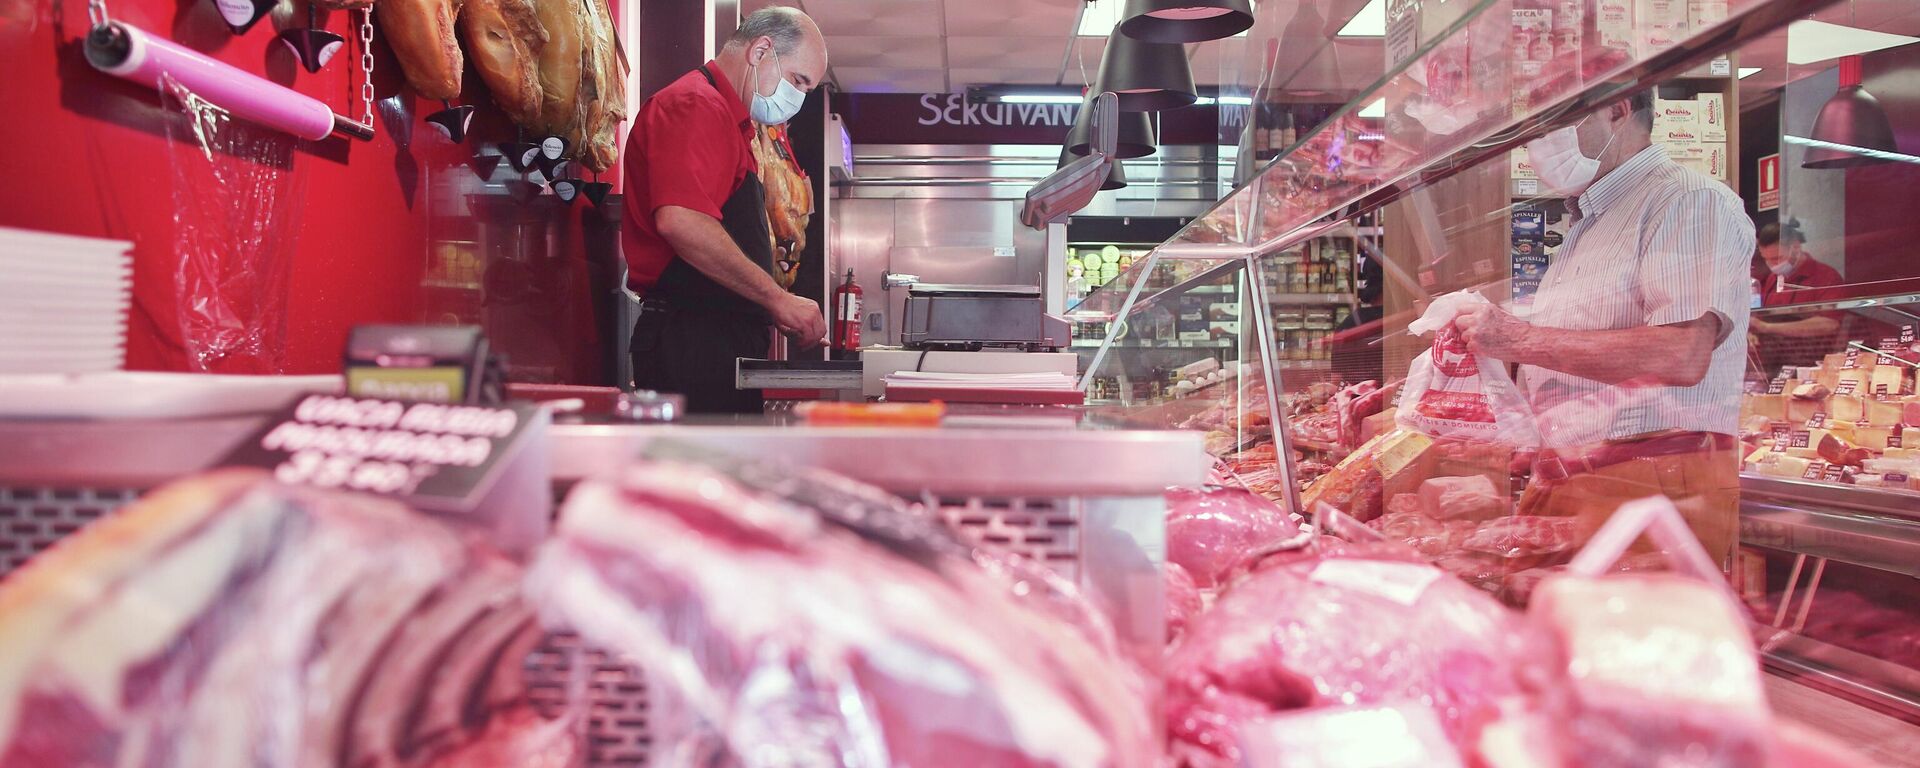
(1720, 67)
(1526, 188)
(1833, 473)
(1801, 439)
(1817, 420)
(432, 455)
(1888, 347)
(1777, 386)
(1852, 360)
(1894, 440)
(1906, 334)
(1897, 477)
(1813, 471)
(1780, 437)
(1846, 386)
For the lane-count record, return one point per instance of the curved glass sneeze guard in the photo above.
(1485, 78)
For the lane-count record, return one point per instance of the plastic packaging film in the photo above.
(234, 217)
(818, 626)
(225, 620)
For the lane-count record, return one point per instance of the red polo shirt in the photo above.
(1812, 281)
(689, 147)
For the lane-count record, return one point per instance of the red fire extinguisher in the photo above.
(846, 314)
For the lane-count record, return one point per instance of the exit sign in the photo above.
(1768, 174)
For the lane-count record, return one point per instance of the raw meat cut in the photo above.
(1341, 629)
(1661, 671)
(1211, 532)
(1426, 535)
(1353, 405)
(1462, 498)
(1183, 600)
(1524, 536)
(808, 622)
(228, 621)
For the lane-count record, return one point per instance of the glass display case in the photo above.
(1790, 451)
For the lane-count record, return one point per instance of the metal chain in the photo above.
(366, 62)
(97, 12)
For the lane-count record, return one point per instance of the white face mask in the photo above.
(1782, 269)
(1556, 158)
(782, 105)
(1562, 167)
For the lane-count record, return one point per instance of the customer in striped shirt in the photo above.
(1633, 356)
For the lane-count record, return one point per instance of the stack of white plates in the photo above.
(63, 302)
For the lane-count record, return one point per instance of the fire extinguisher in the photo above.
(846, 314)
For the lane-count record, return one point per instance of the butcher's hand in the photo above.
(1492, 331)
(800, 318)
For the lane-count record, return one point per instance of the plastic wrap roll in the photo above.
(135, 54)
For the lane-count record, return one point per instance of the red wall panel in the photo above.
(89, 154)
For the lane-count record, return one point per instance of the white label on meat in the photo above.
(1402, 583)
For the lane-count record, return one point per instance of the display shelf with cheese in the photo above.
(1838, 403)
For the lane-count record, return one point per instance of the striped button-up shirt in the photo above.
(1653, 244)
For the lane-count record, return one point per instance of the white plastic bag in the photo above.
(1452, 392)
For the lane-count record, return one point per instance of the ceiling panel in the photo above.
(888, 80)
(866, 17)
(871, 51)
(1007, 18)
(965, 76)
(1027, 52)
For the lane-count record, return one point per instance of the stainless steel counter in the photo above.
(982, 458)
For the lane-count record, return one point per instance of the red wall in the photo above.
(90, 155)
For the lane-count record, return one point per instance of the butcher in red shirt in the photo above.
(1794, 277)
(697, 241)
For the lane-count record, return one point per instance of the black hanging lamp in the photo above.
(1185, 21)
(1135, 129)
(1116, 177)
(1851, 118)
(1147, 77)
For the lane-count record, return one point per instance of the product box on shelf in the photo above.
(1712, 116)
(1680, 115)
(1532, 40)
(1705, 13)
(1658, 25)
(1613, 24)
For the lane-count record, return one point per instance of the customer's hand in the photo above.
(1491, 331)
(800, 318)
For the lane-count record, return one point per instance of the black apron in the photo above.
(692, 329)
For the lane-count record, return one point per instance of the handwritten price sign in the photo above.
(433, 454)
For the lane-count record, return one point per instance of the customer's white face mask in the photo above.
(1557, 160)
(782, 105)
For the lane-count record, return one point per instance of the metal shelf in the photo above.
(1095, 344)
(1887, 685)
(1889, 300)
(1309, 298)
(1792, 492)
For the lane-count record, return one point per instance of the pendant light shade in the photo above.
(1148, 77)
(1185, 21)
(1136, 134)
(1852, 118)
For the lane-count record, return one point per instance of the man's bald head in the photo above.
(788, 35)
